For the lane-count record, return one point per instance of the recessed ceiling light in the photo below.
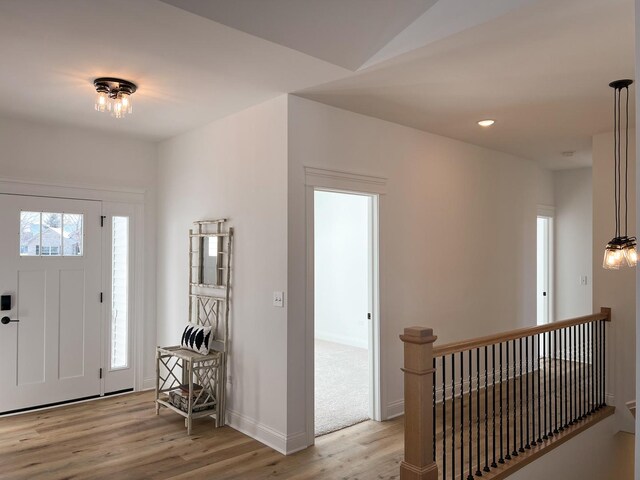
(486, 123)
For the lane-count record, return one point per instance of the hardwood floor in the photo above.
(122, 438)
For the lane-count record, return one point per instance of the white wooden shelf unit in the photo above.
(188, 383)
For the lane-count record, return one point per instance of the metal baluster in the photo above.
(555, 381)
(544, 376)
(526, 370)
(579, 371)
(434, 409)
(563, 336)
(571, 399)
(444, 418)
(576, 376)
(563, 412)
(486, 411)
(478, 472)
(470, 476)
(461, 414)
(507, 456)
(598, 371)
(501, 459)
(539, 388)
(561, 362)
(493, 404)
(521, 416)
(587, 348)
(533, 393)
(515, 402)
(604, 362)
(548, 380)
(584, 371)
(453, 415)
(593, 369)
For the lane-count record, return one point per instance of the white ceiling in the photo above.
(539, 67)
(190, 70)
(542, 71)
(343, 32)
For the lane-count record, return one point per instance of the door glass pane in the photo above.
(51, 234)
(72, 238)
(119, 292)
(29, 233)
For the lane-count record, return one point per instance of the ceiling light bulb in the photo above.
(126, 102)
(118, 110)
(102, 102)
(486, 123)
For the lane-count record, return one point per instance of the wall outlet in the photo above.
(583, 280)
(229, 379)
(278, 299)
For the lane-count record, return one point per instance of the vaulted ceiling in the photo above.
(539, 67)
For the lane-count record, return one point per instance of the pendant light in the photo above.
(621, 250)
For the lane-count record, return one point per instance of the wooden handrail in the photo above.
(465, 345)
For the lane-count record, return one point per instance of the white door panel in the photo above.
(53, 353)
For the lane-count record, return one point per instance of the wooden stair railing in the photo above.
(488, 406)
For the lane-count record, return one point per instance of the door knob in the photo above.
(6, 320)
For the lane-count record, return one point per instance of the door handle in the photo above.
(7, 320)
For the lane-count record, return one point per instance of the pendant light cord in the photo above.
(615, 159)
(626, 165)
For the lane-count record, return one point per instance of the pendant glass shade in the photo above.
(630, 252)
(613, 255)
(117, 110)
(102, 102)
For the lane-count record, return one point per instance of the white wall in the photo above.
(39, 152)
(573, 228)
(457, 234)
(636, 182)
(341, 268)
(234, 168)
(614, 288)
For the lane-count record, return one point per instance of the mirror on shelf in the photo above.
(211, 260)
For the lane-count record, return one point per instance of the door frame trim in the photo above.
(132, 196)
(355, 183)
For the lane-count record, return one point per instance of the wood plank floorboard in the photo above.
(121, 438)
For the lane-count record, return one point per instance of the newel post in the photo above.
(418, 461)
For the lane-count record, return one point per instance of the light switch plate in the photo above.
(278, 299)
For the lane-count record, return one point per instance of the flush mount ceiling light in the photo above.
(114, 95)
(486, 123)
(621, 250)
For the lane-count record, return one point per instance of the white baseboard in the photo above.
(296, 442)
(284, 444)
(148, 384)
(394, 409)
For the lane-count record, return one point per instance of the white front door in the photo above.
(50, 258)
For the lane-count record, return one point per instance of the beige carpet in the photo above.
(341, 386)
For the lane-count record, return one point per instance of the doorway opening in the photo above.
(345, 233)
(543, 277)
